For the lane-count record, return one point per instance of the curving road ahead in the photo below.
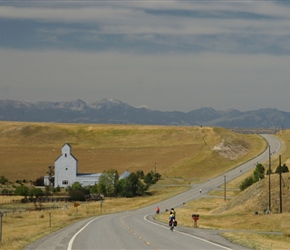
(138, 230)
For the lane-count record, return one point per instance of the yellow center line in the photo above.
(132, 231)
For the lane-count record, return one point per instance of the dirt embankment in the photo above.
(232, 150)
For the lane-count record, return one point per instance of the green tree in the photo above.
(152, 178)
(148, 178)
(35, 192)
(131, 186)
(78, 192)
(124, 189)
(108, 182)
(76, 186)
(140, 174)
(284, 169)
(102, 188)
(132, 180)
(141, 188)
(22, 190)
(259, 172)
(94, 189)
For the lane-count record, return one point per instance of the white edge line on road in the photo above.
(196, 237)
(69, 247)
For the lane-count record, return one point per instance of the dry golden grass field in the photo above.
(27, 149)
(181, 155)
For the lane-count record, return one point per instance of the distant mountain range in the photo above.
(109, 111)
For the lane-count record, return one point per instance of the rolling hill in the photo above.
(27, 149)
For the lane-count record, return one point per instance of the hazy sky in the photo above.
(165, 55)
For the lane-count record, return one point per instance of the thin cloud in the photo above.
(166, 55)
(145, 27)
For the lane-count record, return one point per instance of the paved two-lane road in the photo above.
(137, 230)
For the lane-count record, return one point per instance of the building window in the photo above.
(65, 168)
(65, 155)
(65, 182)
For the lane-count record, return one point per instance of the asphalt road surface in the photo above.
(137, 229)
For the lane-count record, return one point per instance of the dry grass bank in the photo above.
(238, 216)
(243, 212)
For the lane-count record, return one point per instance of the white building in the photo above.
(66, 171)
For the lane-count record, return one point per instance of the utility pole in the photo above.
(280, 174)
(269, 172)
(225, 185)
(1, 215)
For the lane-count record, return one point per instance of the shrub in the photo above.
(39, 181)
(3, 180)
(22, 190)
(77, 195)
(5, 191)
(257, 175)
(246, 183)
(284, 169)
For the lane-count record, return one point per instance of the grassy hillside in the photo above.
(27, 149)
(238, 213)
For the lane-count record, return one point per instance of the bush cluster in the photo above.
(259, 173)
(111, 186)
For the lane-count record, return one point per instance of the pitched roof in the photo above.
(124, 175)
